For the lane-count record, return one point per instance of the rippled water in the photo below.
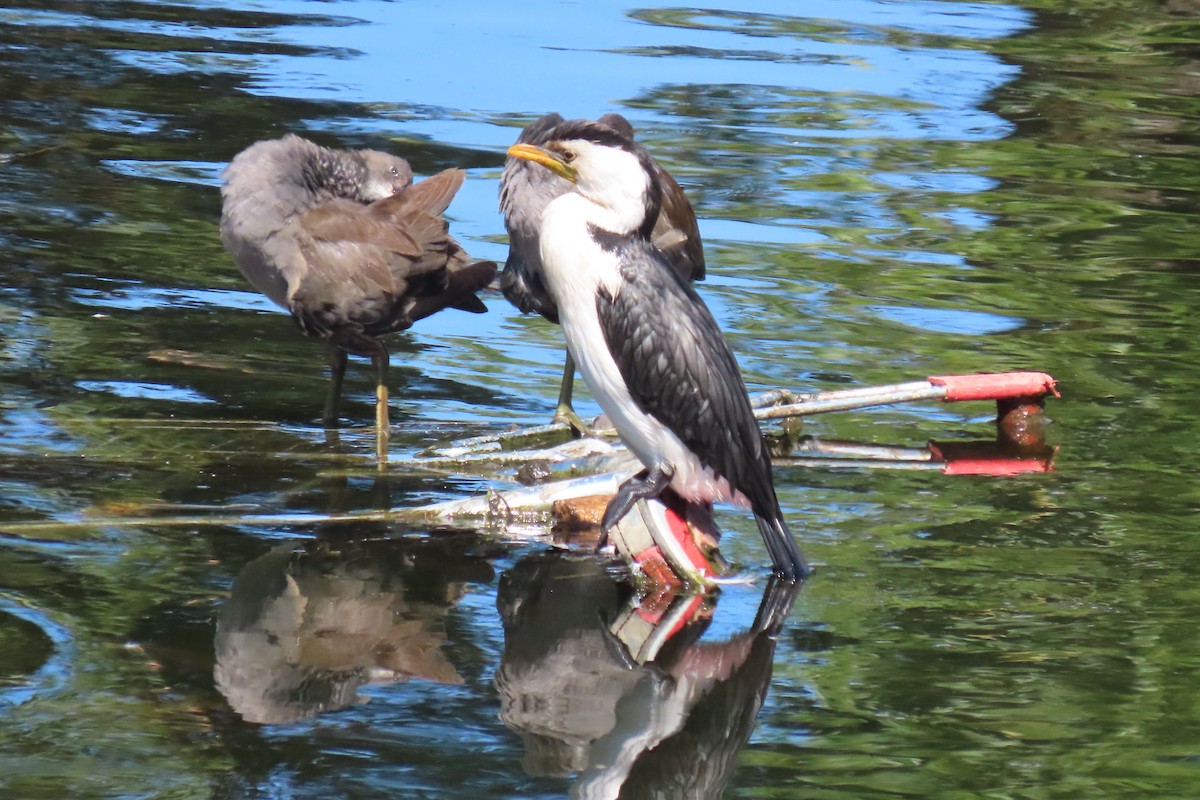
(887, 190)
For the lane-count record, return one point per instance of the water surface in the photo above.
(887, 190)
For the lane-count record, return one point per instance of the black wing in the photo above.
(680, 370)
(523, 286)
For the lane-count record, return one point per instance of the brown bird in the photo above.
(347, 243)
(525, 191)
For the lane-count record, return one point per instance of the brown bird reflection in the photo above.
(305, 625)
(347, 243)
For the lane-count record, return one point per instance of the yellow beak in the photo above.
(547, 159)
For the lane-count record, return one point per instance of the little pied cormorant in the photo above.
(648, 347)
(526, 190)
(344, 241)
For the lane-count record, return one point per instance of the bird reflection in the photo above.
(667, 724)
(307, 624)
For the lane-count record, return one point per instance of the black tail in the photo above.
(785, 555)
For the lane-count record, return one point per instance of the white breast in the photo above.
(576, 267)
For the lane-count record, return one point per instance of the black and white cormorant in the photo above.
(526, 190)
(649, 349)
(347, 243)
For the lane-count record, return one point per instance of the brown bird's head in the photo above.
(361, 175)
(383, 175)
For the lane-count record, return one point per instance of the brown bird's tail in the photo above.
(465, 282)
(458, 292)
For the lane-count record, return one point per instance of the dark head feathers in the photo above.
(535, 132)
(618, 124)
(547, 128)
(599, 132)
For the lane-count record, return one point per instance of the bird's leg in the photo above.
(565, 412)
(379, 360)
(646, 485)
(337, 371)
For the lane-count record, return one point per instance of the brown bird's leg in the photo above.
(565, 413)
(337, 371)
(379, 360)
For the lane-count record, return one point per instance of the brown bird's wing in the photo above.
(402, 235)
(346, 221)
(348, 282)
(371, 270)
(418, 212)
(449, 279)
(430, 196)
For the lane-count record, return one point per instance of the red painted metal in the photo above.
(676, 515)
(995, 386)
(991, 458)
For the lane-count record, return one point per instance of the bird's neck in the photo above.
(330, 174)
(620, 216)
(575, 261)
